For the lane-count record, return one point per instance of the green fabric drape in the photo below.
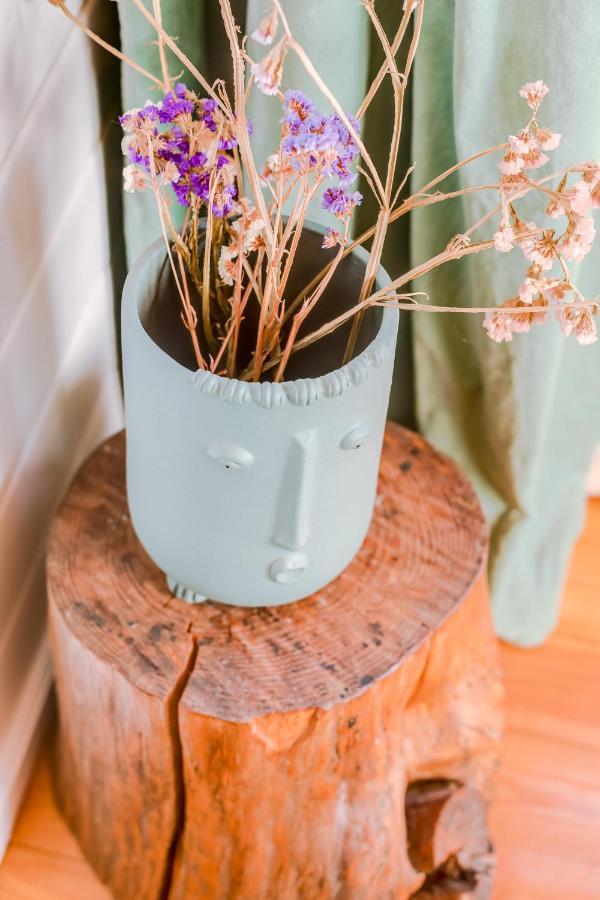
(523, 418)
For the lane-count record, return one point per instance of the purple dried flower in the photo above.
(331, 238)
(297, 108)
(173, 106)
(136, 157)
(340, 202)
(198, 159)
(200, 184)
(207, 108)
(182, 192)
(224, 200)
(314, 142)
(344, 135)
(139, 117)
(171, 125)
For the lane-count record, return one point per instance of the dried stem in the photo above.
(417, 201)
(297, 235)
(206, 311)
(189, 313)
(251, 286)
(326, 91)
(261, 223)
(235, 315)
(192, 69)
(381, 297)
(433, 263)
(106, 46)
(399, 37)
(307, 308)
(241, 120)
(399, 83)
(189, 317)
(162, 53)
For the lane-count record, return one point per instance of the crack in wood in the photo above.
(172, 704)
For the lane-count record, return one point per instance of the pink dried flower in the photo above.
(532, 286)
(511, 163)
(522, 321)
(591, 175)
(501, 326)
(559, 290)
(227, 265)
(249, 227)
(522, 142)
(266, 31)
(555, 209)
(577, 240)
(134, 179)
(277, 165)
(504, 238)
(590, 170)
(534, 158)
(540, 250)
(269, 71)
(498, 326)
(514, 186)
(580, 197)
(255, 237)
(534, 92)
(525, 231)
(578, 321)
(521, 233)
(171, 173)
(547, 140)
(331, 239)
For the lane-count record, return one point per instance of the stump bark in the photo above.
(340, 747)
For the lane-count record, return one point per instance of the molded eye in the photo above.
(230, 456)
(356, 437)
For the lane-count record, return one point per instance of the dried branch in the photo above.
(105, 45)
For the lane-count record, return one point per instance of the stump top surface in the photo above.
(424, 551)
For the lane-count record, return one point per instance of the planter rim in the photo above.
(299, 392)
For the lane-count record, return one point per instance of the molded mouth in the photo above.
(288, 568)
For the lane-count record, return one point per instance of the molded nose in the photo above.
(293, 519)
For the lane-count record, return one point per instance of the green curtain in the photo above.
(522, 419)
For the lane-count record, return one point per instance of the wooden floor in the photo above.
(546, 819)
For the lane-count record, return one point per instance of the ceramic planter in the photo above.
(253, 494)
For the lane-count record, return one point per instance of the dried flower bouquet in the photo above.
(237, 248)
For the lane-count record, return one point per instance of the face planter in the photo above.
(254, 494)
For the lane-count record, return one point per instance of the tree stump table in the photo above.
(340, 747)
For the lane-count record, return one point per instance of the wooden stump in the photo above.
(215, 752)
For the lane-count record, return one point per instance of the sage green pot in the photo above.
(254, 494)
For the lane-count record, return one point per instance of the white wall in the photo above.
(59, 393)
